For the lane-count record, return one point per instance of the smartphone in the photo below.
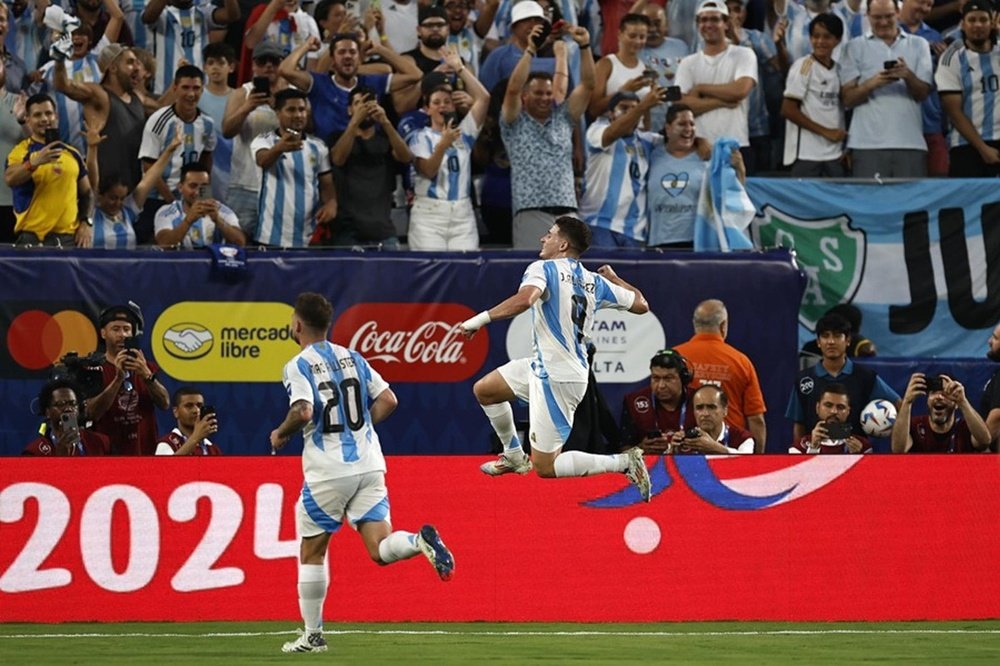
(838, 429)
(558, 26)
(934, 384)
(294, 133)
(207, 410)
(69, 422)
(132, 345)
(692, 433)
(450, 118)
(889, 64)
(51, 135)
(540, 38)
(262, 84)
(654, 434)
(673, 94)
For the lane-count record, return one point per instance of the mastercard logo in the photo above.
(36, 340)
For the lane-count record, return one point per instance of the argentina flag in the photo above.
(724, 209)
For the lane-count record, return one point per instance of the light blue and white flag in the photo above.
(724, 208)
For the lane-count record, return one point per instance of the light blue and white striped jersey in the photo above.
(614, 195)
(116, 233)
(142, 34)
(201, 233)
(797, 33)
(340, 385)
(974, 76)
(469, 45)
(454, 177)
(84, 70)
(199, 137)
(289, 192)
(563, 318)
(25, 38)
(180, 33)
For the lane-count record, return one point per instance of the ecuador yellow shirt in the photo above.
(46, 204)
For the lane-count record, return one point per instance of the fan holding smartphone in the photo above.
(833, 432)
(62, 433)
(195, 422)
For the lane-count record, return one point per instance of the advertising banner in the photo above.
(803, 538)
(920, 259)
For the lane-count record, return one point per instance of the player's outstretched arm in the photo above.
(507, 309)
(298, 416)
(640, 305)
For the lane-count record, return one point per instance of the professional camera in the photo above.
(83, 371)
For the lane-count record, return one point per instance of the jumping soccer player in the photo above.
(563, 297)
(329, 389)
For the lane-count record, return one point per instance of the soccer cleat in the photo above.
(637, 473)
(430, 544)
(313, 642)
(506, 465)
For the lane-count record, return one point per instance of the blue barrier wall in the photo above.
(57, 291)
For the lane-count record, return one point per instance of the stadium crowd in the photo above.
(182, 123)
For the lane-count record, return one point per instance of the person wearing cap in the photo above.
(501, 62)
(877, 92)
(716, 81)
(428, 56)
(181, 30)
(250, 113)
(614, 197)
(282, 22)
(969, 95)
(539, 139)
(112, 105)
(61, 434)
(125, 409)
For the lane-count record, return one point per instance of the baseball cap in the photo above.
(108, 55)
(434, 11)
(712, 6)
(620, 96)
(268, 49)
(977, 6)
(432, 81)
(526, 9)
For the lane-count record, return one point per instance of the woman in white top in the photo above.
(622, 71)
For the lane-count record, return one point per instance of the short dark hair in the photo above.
(832, 23)
(836, 388)
(544, 76)
(314, 310)
(633, 19)
(220, 50)
(832, 322)
(195, 167)
(360, 90)
(671, 359)
(723, 398)
(675, 110)
(575, 231)
(53, 385)
(38, 98)
(189, 72)
(175, 399)
(322, 10)
(282, 97)
(344, 36)
(112, 181)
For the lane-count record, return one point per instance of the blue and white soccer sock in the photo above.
(397, 546)
(312, 593)
(580, 463)
(501, 417)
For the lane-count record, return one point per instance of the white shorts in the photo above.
(551, 405)
(323, 504)
(442, 225)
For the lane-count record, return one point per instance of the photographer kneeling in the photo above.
(195, 422)
(713, 434)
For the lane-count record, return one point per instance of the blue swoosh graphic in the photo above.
(659, 480)
(702, 480)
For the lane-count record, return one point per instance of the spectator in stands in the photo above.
(713, 361)
(220, 63)
(989, 403)
(195, 219)
(195, 423)
(442, 217)
(297, 191)
(142, 34)
(328, 92)
(833, 334)
(834, 429)
(662, 54)
(715, 433)
(468, 39)
(652, 414)
(682, 22)
(967, 97)
(61, 433)
(860, 345)
(791, 31)
(113, 107)
(118, 207)
(401, 24)
(716, 81)
(181, 29)
(16, 70)
(489, 156)
(875, 92)
(911, 20)
(814, 131)
(282, 22)
(614, 197)
(939, 431)
(503, 60)
(428, 55)
(199, 142)
(538, 136)
(331, 17)
(623, 70)
(125, 409)
(364, 159)
(11, 133)
(51, 193)
(98, 16)
(250, 113)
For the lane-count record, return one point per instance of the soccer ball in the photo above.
(877, 418)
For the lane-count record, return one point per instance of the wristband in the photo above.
(477, 322)
(585, 46)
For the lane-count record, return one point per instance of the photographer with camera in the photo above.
(939, 431)
(713, 434)
(61, 434)
(652, 414)
(125, 409)
(833, 431)
(195, 422)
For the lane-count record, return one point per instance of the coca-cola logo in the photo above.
(413, 342)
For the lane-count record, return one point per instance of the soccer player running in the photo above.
(337, 399)
(563, 297)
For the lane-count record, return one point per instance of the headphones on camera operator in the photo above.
(670, 358)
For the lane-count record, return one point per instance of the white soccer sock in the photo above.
(502, 419)
(312, 593)
(398, 546)
(580, 463)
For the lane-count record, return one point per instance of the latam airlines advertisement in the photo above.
(804, 538)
